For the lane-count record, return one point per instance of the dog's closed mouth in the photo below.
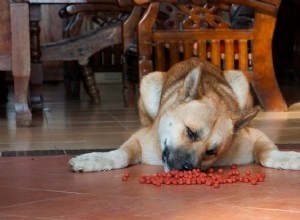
(177, 159)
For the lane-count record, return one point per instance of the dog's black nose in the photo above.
(187, 166)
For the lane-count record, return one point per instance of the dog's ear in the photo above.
(243, 118)
(150, 95)
(190, 89)
(240, 86)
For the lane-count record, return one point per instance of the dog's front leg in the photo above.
(268, 155)
(128, 153)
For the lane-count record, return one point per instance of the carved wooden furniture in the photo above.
(183, 32)
(27, 54)
(80, 47)
(112, 24)
(176, 31)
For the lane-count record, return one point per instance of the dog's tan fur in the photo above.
(194, 115)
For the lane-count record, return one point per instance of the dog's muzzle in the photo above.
(177, 159)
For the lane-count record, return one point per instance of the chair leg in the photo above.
(36, 83)
(36, 77)
(3, 88)
(129, 94)
(72, 76)
(23, 114)
(21, 61)
(89, 82)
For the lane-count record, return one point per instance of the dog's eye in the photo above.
(191, 135)
(210, 152)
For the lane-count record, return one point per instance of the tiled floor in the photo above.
(42, 187)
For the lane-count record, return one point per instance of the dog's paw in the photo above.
(98, 161)
(287, 160)
(83, 163)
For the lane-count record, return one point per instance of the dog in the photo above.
(193, 116)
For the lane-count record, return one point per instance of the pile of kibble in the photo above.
(212, 177)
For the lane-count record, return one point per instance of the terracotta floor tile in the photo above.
(44, 187)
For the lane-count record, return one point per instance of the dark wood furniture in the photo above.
(169, 32)
(79, 46)
(183, 42)
(27, 53)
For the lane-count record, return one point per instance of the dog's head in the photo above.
(201, 127)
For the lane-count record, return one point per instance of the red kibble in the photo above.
(174, 181)
(142, 180)
(220, 171)
(233, 166)
(229, 180)
(262, 175)
(234, 179)
(195, 176)
(253, 182)
(180, 174)
(260, 179)
(198, 181)
(211, 170)
(246, 180)
(216, 185)
(209, 183)
(194, 171)
(158, 183)
(125, 176)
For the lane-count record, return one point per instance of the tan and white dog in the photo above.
(194, 116)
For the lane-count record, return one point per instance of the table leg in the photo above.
(21, 61)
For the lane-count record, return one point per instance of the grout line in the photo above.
(27, 203)
(270, 209)
(56, 152)
(47, 190)
(115, 119)
(25, 216)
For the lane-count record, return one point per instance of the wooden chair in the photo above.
(25, 61)
(21, 65)
(170, 32)
(80, 45)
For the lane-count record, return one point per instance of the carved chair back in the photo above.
(170, 32)
(199, 32)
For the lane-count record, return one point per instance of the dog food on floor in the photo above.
(212, 177)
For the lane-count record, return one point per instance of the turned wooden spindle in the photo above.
(89, 82)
